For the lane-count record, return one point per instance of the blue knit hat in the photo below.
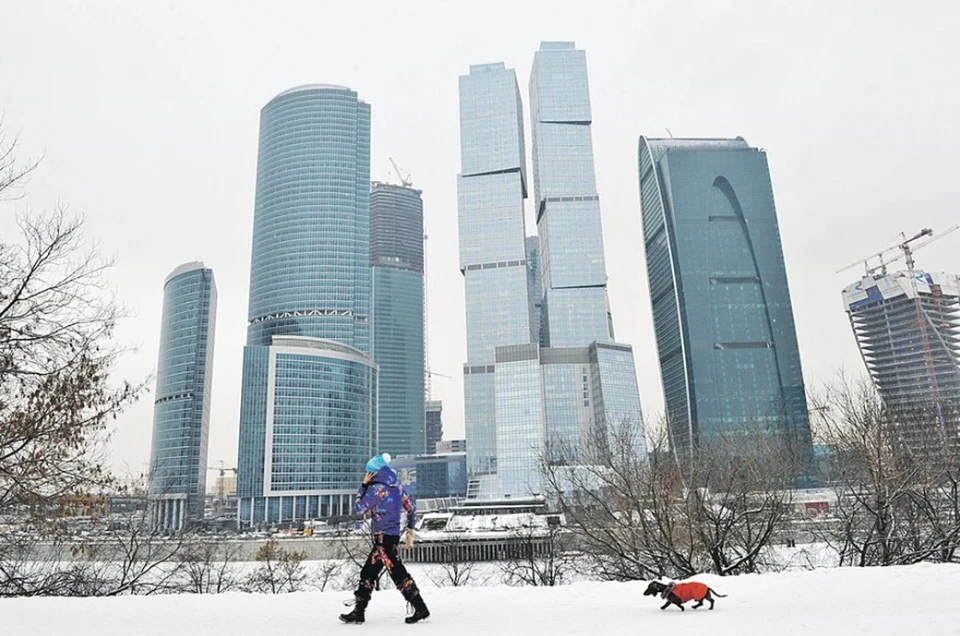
(377, 462)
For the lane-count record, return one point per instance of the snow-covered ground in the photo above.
(913, 600)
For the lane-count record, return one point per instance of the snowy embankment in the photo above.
(920, 599)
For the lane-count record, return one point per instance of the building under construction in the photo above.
(907, 325)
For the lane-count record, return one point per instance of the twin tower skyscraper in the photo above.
(543, 370)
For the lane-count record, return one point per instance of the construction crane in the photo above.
(903, 247)
(220, 485)
(405, 180)
(428, 373)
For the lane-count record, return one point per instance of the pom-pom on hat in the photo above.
(377, 462)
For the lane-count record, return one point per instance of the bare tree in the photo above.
(128, 559)
(208, 566)
(538, 557)
(455, 569)
(740, 502)
(622, 510)
(56, 355)
(280, 570)
(897, 495)
(639, 515)
(12, 171)
(333, 571)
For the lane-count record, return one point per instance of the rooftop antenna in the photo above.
(668, 132)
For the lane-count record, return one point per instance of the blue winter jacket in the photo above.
(384, 497)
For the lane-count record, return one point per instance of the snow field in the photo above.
(913, 600)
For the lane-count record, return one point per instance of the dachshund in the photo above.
(680, 593)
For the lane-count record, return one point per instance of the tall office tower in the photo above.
(181, 411)
(566, 201)
(491, 187)
(543, 370)
(588, 378)
(721, 306)
(308, 411)
(907, 326)
(396, 259)
(433, 416)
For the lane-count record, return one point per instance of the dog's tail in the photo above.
(716, 593)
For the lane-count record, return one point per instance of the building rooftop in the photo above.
(313, 87)
(183, 269)
(661, 145)
(491, 66)
(557, 46)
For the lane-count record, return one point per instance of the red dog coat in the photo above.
(692, 591)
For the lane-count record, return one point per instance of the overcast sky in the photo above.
(146, 116)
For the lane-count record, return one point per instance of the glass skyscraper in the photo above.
(396, 259)
(491, 187)
(181, 412)
(566, 201)
(552, 372)
(589, 381)
(308, 412)
(718, 285)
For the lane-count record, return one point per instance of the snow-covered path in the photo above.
(916, 600)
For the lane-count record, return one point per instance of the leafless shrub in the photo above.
(538, 557)
(130, 559)
(208, 566)
(279, 570)
(454, 568)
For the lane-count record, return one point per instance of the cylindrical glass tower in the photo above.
(310, 269)
(308, 413)
(181, 412)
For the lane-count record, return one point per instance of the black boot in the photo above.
(357, 615)
(420, 610)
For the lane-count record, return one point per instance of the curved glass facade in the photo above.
(319, 424)
(309, 271)
(308, 411)
(721, 305)
(181, 416)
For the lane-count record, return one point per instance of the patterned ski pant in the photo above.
(384, 555)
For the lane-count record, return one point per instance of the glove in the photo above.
(409, 538)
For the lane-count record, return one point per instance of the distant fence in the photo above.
(477, 549)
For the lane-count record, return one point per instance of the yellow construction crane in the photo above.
(220, 485)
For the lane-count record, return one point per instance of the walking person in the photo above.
(382, 494)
